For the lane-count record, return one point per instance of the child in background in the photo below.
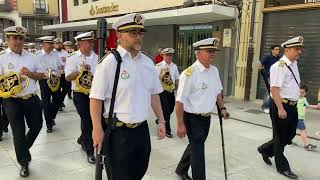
(302, 106)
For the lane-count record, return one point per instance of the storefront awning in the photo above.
(190, 15)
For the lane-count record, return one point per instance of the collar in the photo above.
(9, 51)
(80, 54)
(288, 62)
(44, 53)
(123, 52)
(201, 66)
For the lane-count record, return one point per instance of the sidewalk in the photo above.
(250, 111)
(57, 156)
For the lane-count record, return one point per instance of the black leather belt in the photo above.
(120, 124)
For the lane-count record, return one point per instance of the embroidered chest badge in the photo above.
(10, 66)
(204, 86)
(125, 75)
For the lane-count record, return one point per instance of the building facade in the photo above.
(169, 23)
(275, 21)
(32, 14)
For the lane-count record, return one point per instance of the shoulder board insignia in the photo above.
(147, 55)
(188, 71)
(282, 63)
(71, 54)
(100, 60)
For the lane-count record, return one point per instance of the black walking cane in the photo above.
(222, 141)
(101, 36)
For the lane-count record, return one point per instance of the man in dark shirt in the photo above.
(264, 66)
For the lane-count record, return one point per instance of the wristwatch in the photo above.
(223, 108)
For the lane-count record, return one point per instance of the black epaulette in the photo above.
(71, 54)
(100, 60)
(148, 55)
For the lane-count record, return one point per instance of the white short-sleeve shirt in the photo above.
(281, 76)
(173, 69)
(12, 62)
(49, 60)
(74, 62)
(138, 80)
(62, 54)
(198, 91)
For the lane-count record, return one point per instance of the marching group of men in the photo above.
(126, 82)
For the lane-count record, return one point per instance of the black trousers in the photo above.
(82, 103)
(65, 87)
(284, 130)
(197, 131)
(167, 103)
(4, 122)
(51, 102)
(19, 110)
(128, 153)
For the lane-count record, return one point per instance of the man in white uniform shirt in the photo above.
(138, 89)
(23, 105)
(285, 91)
(169, 77)
(79, 69)
(51, 65)
(64, 85)
(199, 90)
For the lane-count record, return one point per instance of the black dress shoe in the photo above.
(62, 105)
(70, 97)
(184, 176)
(79, 140)
(53, 122)
(91, 159)
(264, 157)
(49, 130)
(24, 171)
(289, 174)
(60, 109)
(0, 138)
(169, 135)
(6, 130)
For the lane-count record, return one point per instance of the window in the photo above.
(274, 3)
(76, 2)
(40, 4)
(84, 1)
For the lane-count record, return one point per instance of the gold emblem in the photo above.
(138, 19)
(125, 75)
(204, 86)
(92, 11)
(19, 30)
(10, 66)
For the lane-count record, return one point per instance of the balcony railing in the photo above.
(40, 8)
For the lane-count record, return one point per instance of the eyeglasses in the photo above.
(135, 34)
